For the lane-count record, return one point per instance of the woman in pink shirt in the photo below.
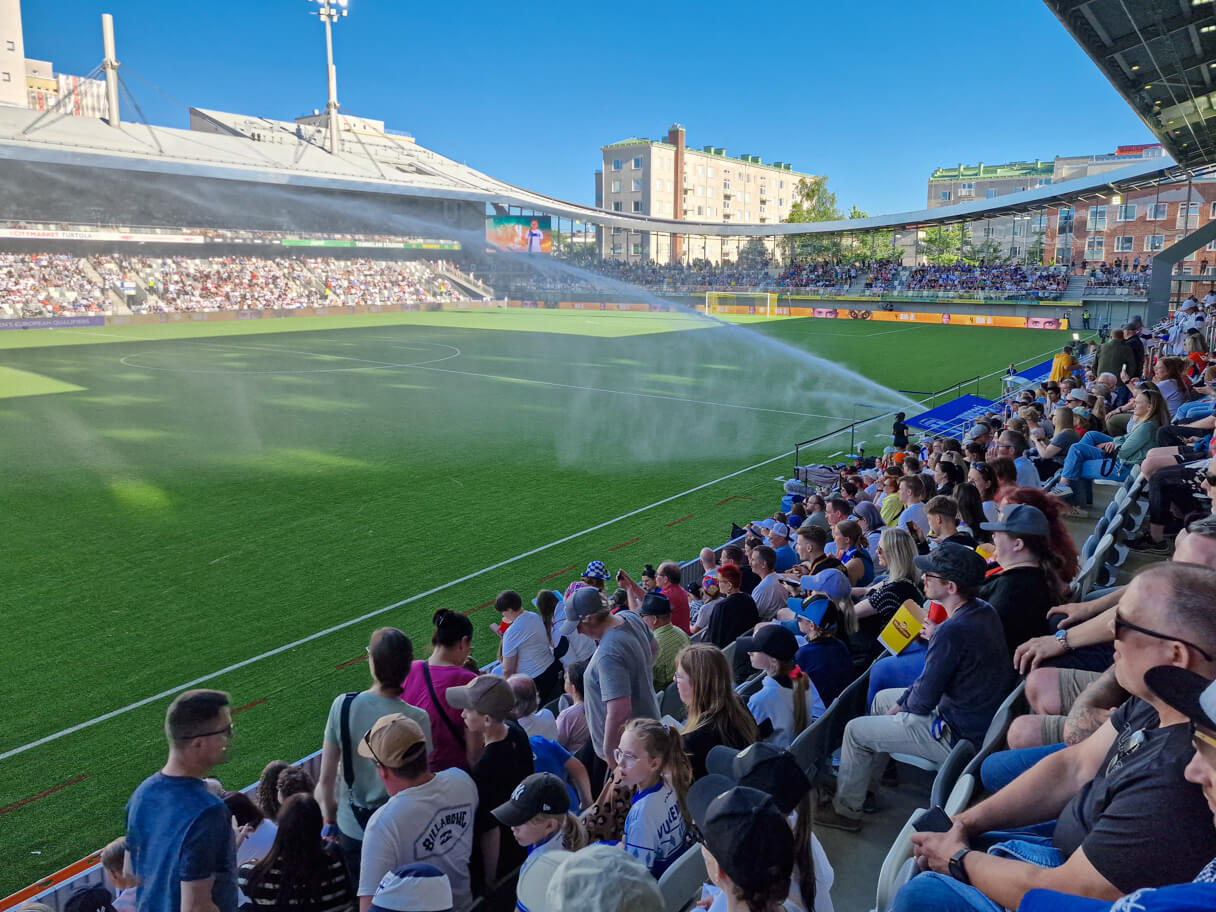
(428, 681)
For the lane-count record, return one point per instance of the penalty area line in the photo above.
(270, 653)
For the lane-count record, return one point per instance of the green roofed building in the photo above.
(963, 183)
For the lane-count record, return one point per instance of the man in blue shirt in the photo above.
(180, 844)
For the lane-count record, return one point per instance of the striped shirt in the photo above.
(334, 893)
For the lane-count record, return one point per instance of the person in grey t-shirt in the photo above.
(618, 683)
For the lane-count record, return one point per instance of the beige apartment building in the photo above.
(665, 179)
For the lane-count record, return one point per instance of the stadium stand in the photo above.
(1185, 838)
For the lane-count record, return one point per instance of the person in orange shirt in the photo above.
(1062, 365)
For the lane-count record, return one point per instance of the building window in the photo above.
(709, 172)
(709, 191)
(700, 170)
(1097, 218)
(1157, 212)
(616, 186)
(700, 190)
(637, 185)
(1212, 211)
(1125, 243)
(699, 212)
(1211, 246)
(1064, 221)
(725, 185)
(1154, 241)
(1127, 212)
(747, 197)
(945, 196)
(989, 194)
(10, 45)
(1188, 215)
(616, 207)
(747, 215)
(709, 210)
(1043, 182)
(616, 164)
(780, 201)
(637, 164)
(781, 185)
(1064, 255)
(637, 205)
(966, 189)
(670, 187)
(1015, 251)
(616, 249)
(637, 249)
(1039, 223)
(1094, 248)
(6, 77)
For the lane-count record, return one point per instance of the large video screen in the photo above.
(520, 233)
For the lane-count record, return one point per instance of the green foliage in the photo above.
(941, 245)
(813, 202)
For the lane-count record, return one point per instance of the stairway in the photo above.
(1075, 290)
(463, 280)
(859, 284)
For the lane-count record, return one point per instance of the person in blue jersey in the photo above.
(180, 843)
(538, 813)
(1194, 696)
(651, 759)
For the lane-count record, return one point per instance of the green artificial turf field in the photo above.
(183, 498)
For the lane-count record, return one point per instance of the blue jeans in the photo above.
(1200, 408)
(1085, 460)
(1002, 767)
(945, 894)
(898, 670)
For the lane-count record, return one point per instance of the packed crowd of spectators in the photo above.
(48, 284)
(1119, 274)
(996, 279)
(63, 284)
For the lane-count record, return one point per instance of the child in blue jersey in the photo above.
(538, 814)
(651, 758)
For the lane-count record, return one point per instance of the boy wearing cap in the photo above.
(505, 760)
(413, 888)
(538, 813)
(427, 818)
(656, 612)
(966, 677)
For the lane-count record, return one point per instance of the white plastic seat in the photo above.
(681, 883)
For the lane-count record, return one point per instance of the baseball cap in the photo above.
(599, 878)
(1020, 519)
(488, 694)
(887, 451)
(540, 793)
(780, 528)
(953, 562)
(596, 570)
(391, 739)
(1191, 694)
(655, 604)
(744, 831)
(413, 888)
(1078, 395)
(771, 639)
(761, 766)
(830, 582)
(811, 609)
(583, 604)
(1189, 304)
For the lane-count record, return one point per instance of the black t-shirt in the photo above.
(1140, 822)
(699, 742)
(1021, 597)
(899, 431)
(751, 579)
(885, 601)
(734, 615)
(502, 766)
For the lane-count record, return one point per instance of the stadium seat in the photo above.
(670, 703)
(729, 652)
(681, 883)
(898, 867)
(813, 748)
(950, 771)
(750, 686)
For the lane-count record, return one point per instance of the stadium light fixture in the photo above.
(329, 12)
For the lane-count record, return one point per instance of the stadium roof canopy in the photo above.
(1160, 55)
(245, 148)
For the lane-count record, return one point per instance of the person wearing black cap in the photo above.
(1126, 817)
(538, 813)
(1194, 696)
(1022, 592)
(776, 773)
(747, 845)
(786, 701)
(656, 612)
(965, 678)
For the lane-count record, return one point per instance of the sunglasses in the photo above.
(1204, 744)
(226, 731)
(1210, 479)
(367, 740)
(1121, 624)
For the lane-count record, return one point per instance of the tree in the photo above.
(942, 244)
(813, 202)
(1037, 250)
(869, 246)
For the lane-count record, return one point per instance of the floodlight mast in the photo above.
(329, 13)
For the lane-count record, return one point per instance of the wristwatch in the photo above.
(1062, 639)
(957, 870)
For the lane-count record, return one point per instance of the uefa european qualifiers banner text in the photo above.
(52, 322)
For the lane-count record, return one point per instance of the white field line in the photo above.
(12, 752)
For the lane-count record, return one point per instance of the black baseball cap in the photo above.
(954, 562)
(743, 829)
(1020, 519)
(763, 767)
(771, 639)
(540, 793)
(656, 604)
(1191, 694)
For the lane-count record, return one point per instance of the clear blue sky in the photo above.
(874, 95)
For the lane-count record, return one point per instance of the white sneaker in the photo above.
(1061, 490)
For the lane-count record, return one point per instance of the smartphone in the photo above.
(934, 820)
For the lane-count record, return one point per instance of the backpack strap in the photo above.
(348, 765)
(447, 720)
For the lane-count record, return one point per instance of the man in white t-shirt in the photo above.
(912, 496)
(428, 817)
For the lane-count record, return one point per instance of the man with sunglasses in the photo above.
(1194, 696)
(1125, 816)
(180, 844)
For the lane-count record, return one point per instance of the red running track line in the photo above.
(362, 658)
(676, 522)
(478, 608)
(545, 579)
(735, 497)
(241, 709)
(625, 544)
(16, 805)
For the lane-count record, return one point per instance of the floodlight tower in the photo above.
(329, 12)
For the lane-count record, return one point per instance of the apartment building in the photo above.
(665, 179)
